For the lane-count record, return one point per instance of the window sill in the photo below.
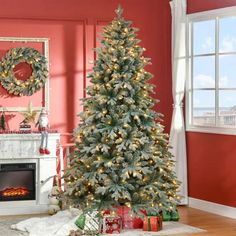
(211, 130)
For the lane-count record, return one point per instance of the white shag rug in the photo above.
(61, 224)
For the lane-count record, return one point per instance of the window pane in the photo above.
(227, 71)
(227, 37)
(204, 72)
(227, 109)
(204, 37)
(204, 107)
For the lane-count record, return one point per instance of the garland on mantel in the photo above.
(25, 132)
(37, 79)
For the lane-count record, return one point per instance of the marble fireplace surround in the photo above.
(24, 148)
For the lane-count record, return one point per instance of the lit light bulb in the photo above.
(126, 125)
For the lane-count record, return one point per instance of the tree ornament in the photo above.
(39, 67)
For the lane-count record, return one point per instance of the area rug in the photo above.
(61, 224)
(169, 228)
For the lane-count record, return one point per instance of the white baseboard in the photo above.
(212, 207)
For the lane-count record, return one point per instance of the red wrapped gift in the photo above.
(110, 224)
(152, 223)
(128, 220)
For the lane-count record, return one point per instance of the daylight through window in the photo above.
(211, 87)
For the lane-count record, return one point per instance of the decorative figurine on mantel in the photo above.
(3, 122)
(43, 125)
(29, 117)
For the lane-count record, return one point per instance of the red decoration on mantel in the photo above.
(25, 132)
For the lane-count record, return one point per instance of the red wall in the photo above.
(72, 27)
(205, 5)
(211, 157)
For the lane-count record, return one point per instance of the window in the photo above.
(211, 82)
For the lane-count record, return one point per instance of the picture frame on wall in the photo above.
(39, 99)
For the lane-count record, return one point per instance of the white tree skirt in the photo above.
(61, 224)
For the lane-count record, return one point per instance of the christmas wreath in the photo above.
(35, 81)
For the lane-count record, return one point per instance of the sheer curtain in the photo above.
(177, 132)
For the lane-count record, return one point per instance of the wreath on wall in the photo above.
(36, 80)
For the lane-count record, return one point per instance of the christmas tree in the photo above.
(121, 155)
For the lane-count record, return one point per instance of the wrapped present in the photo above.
(129, 221)
(166, 216)
(152, 223)
(170, 216)
(110, 224)
(88, 222)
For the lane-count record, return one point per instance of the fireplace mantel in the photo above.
(24, 148)
(14, 146)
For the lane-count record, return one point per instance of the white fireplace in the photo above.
(20, 159)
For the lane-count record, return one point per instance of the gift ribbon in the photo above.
(152, 223)
(149, 223)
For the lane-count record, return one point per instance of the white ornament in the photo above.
(53, 209)
(53, 201)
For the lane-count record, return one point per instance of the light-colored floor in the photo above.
(214, 224)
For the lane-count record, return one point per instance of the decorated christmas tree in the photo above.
(121, 155)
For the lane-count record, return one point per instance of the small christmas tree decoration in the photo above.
(3, 122)
(122, 155)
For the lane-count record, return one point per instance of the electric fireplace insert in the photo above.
(17, 181)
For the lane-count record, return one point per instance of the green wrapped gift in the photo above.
(170, 216)
(80, 221)
(166, 216)
(88, 222)
(174, 216)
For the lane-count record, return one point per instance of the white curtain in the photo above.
(177, 132)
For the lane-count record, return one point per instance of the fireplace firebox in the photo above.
(17, 181)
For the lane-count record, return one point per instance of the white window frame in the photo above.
(196, 17)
